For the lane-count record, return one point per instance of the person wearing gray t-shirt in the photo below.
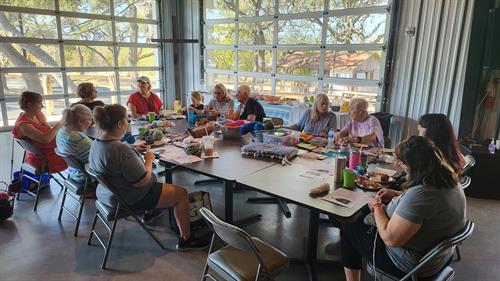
(430, 209)
(132, 178)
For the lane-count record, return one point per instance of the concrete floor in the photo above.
(35, 246)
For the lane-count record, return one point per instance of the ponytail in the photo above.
(107, 117)
(72, 115)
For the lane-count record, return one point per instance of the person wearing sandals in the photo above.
(134, 177)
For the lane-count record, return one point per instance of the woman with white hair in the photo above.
(221, 104)
(70, 138)
(362, 128)
(319, 119)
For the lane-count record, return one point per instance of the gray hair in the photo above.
(359, 104)
(72, 115)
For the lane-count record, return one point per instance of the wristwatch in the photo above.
(359, 139)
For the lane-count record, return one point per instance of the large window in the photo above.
(297, 48)
(51, 46)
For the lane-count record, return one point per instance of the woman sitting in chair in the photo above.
(429, 210)
(71, 140)
(134, 178)
(88, 94)
(319, 119)
(362, 128)
(437, 127)
(32, 126)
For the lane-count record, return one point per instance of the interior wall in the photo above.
(429, 66)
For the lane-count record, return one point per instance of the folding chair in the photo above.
(110, 215)
(446, 274)
(39, 172)
(77, 189)
(244, 257)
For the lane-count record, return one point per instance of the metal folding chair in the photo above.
(446, 274)
(110, 215)
(38, 172)
(243, 257)
(77, 189)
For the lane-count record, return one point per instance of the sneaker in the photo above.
(192, 244)
(150, 216)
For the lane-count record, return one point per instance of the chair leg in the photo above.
(93, 228)
(37, 195)
(80, 211)
(284, 208)
(110, 240)
(149, 232)
(457, 251)
(62, 203)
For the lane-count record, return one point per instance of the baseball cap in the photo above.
(144, 79)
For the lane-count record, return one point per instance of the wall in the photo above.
(429, 67)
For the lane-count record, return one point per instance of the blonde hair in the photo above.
(221, 87)
(314, 111)
(73, 115)
(197, 96)
(359, 104)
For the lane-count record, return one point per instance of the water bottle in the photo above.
(492, 146)
(331, 138)
(221, 118)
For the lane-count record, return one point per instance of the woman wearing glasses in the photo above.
(221, 104)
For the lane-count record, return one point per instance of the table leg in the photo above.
(168, 173)
(312, 244)
(228, 201)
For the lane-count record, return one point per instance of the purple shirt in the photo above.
(360, 129)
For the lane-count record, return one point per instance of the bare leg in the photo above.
(176, 197)
(352, 274)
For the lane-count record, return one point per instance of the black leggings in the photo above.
(356, 243)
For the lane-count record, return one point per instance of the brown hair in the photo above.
(107, 117)
(426, 164)
(440, 131)
(28, 97)
(85, 90)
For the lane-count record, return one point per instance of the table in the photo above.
(286, 182)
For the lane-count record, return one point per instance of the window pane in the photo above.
(295, 89)
(86, 29)
(339, 93)
(298, 62)
(84, 6)
(53, 109)
(103, 81)
(256, 8)
(88, 56)
(256, 33)
(226, 79)
(218, 9)
(14, 54)
(128, 80)
(258, 86)
(13, 111)
(301, 31)
(288, 7)
(144, 9)
(43, 83)
(137, 56)
(359, 29)
(256, 61)
(28, 25)
(44, 4)
(220, 59)
(353, 64)
(135, 32)
(342, 4)
(221, 34)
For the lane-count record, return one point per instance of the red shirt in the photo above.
(144, 105)
(56, 163)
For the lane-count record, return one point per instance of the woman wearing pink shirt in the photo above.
(362, 128)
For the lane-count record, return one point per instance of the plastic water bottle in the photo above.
(492, 146)
(331, 138)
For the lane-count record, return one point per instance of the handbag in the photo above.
(14, 186)
(199, 227)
